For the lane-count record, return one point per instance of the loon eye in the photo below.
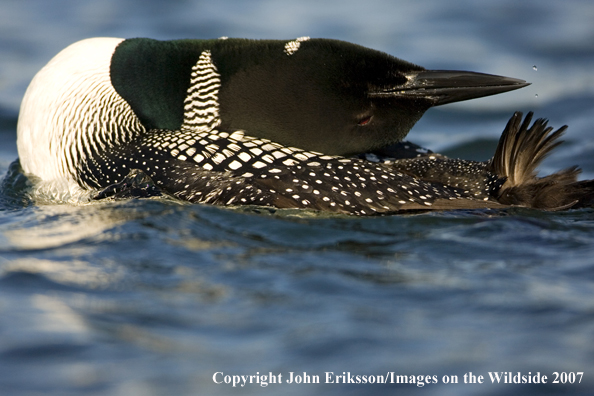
(364, 121)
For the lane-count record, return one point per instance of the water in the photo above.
(153, 297)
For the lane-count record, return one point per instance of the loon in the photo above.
(304, 123)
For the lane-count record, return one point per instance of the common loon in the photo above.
(304, 123)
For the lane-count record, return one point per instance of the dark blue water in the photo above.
(153, 297)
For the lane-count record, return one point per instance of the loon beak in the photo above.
(447, 86)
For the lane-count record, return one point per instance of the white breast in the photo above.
(71, 109)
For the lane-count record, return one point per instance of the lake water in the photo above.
(153, 297)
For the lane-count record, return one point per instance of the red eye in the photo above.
(365, 121)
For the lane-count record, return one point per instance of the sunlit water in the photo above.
(154, 296)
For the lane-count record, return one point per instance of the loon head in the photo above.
(320, 95)
(335, 97)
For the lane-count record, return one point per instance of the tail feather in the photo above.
(520, 150)
(584, 194)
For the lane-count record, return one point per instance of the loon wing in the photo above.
(225, 168)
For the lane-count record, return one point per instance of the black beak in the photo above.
(447, 86)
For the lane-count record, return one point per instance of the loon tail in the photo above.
(520, 150)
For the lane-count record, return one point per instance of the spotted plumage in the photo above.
(234, 169)
(305, 123)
